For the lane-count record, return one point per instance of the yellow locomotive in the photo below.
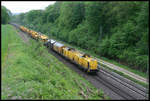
(83, 60)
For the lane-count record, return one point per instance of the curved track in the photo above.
(113, 85)
(125, 89)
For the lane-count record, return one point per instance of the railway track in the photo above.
(113, 84)
(127, 82)
(121, 86)
(112, 66)
(114, 88)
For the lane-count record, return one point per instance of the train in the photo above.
(34, 34)
(84, 61)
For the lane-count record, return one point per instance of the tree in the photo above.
(5, 15)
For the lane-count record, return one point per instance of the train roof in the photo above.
(52, 41)
(66, 48)
(59, 44)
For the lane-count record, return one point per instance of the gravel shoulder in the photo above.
(23, 35)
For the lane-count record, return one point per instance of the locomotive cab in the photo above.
(52, 43)
(89, 63)
(92, 65)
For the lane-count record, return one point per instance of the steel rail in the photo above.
(127, 87)
(114, 89)
(123, 79)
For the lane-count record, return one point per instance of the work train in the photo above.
(84, 61)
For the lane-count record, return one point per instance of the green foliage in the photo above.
(116, 30)
(6, 14)
(5, 41)
(73, 12)
(94, 16)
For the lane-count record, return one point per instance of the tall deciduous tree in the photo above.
(5, 15)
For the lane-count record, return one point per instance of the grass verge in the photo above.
(5, 40)
(30, 72)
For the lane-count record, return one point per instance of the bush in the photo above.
(5, 15)
(104, 46)
(142, 62)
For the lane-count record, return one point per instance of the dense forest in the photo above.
(115, 30)
(5, 15)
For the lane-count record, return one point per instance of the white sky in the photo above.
(25, 6)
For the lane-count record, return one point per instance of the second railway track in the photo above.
(120, 86)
